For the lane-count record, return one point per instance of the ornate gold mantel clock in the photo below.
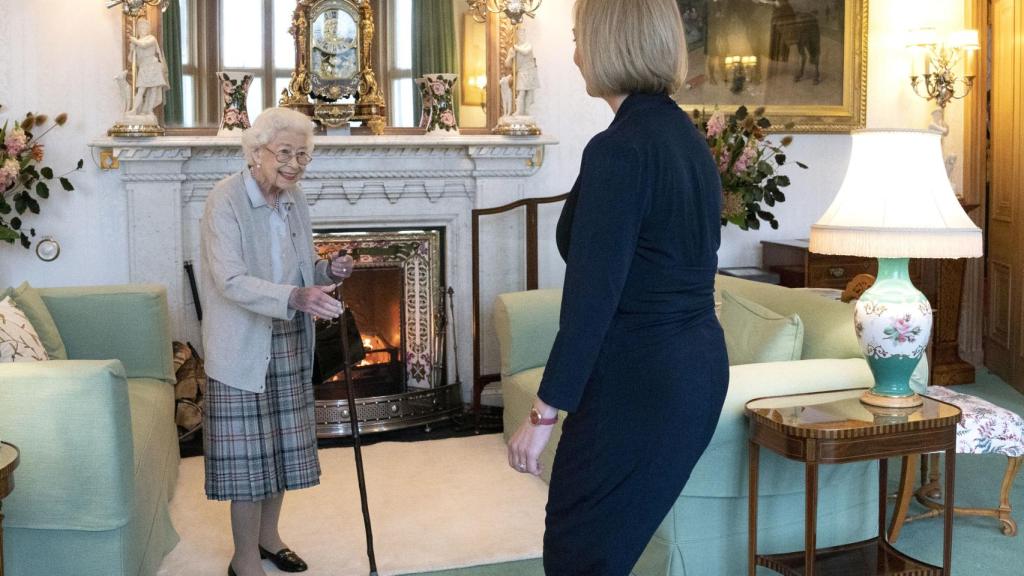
(334, 81)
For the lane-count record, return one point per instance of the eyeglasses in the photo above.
(284, 157)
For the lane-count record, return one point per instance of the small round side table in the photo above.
(8, 462)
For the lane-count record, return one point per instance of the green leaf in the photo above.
(31, 171)
(16, 223)
(20, 204)
(42, 190)
(782, 180)
(66, 184)
(5, 208)
(25, 242)
(802, 165)
(780, 159)
(47, 172)
(741, 112)
(779, 196)
(33, 204)
(763, 122)
(80, 164)
(8, 235)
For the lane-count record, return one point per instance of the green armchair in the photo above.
(705, 532)
(99, 451)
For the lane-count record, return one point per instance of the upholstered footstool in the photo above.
(984, 429)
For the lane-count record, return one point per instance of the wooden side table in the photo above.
(8, 462)
(835, 427)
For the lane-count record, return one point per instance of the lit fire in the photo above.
(376, 351)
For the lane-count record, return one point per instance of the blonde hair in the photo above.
(628, 46)
(267, 126)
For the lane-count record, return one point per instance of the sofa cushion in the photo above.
(19, 341)
(31, 303)
(755, 334)
(828, 325)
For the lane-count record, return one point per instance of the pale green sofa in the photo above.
(705, 533)
(99, 451)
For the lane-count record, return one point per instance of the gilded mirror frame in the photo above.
(498, 41)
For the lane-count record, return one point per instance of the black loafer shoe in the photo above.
(284, 559)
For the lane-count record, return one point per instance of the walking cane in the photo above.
(354, 424)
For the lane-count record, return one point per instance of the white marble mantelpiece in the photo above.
(353, 182)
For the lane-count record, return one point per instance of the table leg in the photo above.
(810, 516)
(947, 499)
(753, 463)
(883, 485)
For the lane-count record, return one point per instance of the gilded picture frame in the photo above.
(805, 61)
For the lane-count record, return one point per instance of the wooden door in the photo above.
(1004, 331)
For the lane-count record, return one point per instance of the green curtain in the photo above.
(173, 98)
(433, 44)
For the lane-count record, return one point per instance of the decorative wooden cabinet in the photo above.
(939, 280)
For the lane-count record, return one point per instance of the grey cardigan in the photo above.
(238, 297)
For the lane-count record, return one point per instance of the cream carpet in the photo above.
(435, 505)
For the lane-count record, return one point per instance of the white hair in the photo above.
(269, 124)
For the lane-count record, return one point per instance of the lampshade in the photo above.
(896, 202)
(966, 39)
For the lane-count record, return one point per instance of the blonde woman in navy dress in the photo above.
(261, 285)
(639, 362)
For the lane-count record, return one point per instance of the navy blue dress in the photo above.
(639, 361)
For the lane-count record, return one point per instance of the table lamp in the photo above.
(895, 203)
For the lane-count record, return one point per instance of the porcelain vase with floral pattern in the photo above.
(442, 103)
(893, 321)
(426, 102)
(234, 87)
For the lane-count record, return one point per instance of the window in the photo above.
(244, 36)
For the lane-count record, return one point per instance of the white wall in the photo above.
(61, 55)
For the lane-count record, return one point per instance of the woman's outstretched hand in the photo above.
(315, 300)
(341, 266)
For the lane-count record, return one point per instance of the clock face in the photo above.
(334, 50)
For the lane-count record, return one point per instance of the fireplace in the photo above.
(397, 296)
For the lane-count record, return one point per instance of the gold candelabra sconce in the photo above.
(135, 8)
(740, 69)
(513, 9)
(943, 70)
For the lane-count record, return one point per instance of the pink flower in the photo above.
(37, 152)
(743, 162)
(437, 87)
(716, 124)
(447, 118)
(9, 172)
(15, 141)
(230, 117)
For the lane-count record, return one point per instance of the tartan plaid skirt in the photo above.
(258, 444)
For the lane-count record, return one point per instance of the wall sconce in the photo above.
(936, 66)
(736, 68)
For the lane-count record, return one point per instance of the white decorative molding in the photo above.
(355, 182)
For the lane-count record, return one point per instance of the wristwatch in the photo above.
(537, 420)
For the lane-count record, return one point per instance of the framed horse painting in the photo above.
(805, 61)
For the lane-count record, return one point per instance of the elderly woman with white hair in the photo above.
(262, 283)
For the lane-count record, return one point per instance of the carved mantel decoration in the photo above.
(391, 182)
(334, 47)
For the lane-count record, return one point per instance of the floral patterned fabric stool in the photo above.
(984, 429)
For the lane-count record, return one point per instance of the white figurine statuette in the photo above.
(141, 88)
(515, 113)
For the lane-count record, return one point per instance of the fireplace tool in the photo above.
(356, 445)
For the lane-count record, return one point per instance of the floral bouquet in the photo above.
(748, 164)
(22, 182)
